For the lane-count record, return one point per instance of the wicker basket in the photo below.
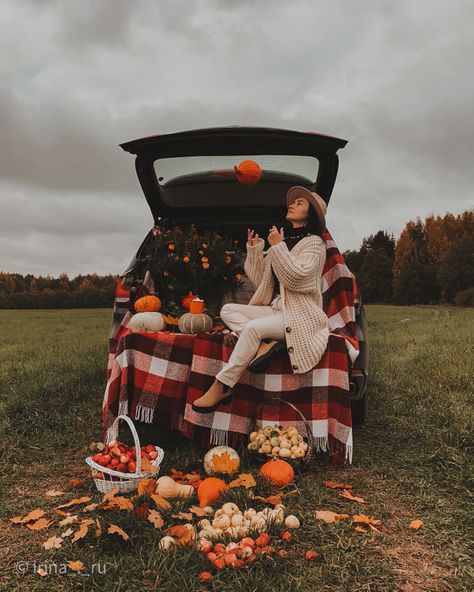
(297, 463)
(124, 482)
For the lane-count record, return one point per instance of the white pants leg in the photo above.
(253, 323)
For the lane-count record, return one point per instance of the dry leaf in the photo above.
(90, 508)
(348, 495)
(177, 531)
(416, 524)
(184, 478)
(33, 515)
(83, 530)
(120, 503)
(329, 517)
(67, 533)
(224, 464)
(273, 500)
(54, 493)
(68, 520)
(243, 480)
(366, 520)
(117, 530)
(148, 467)
(161, 502)
(110, 494)
(77, 483)
(183, 516)
(98, 529)
(361, 529)
(146, 486)
(334, 485)
(155, 518)
(198, 511)
(75, 502)
(40, 524)
(53, 543)
(75, 565)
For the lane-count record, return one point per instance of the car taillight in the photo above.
(121, 291)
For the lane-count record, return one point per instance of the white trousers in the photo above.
(252, 323)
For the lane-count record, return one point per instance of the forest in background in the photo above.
(432, 262)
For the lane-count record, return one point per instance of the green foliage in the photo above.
(375, 276)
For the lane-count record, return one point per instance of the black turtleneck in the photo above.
(292, 238)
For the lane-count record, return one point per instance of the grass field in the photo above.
(413, 459)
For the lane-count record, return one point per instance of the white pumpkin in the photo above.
(216, 452)
(195, 323)
(147, 322)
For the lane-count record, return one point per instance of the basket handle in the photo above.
(136, 441)
(278, 400)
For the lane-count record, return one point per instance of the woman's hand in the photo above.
(252, 240)
(275, 236)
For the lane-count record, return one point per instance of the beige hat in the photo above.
(314, 199)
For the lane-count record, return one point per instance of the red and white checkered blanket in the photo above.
(155, 378)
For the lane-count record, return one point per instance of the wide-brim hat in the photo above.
(315, 200)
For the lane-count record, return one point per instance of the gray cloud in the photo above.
(78, 79)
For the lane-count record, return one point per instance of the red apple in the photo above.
(150, 448)
(153, 455)
(124, 458)
(114, 462)
(263, 540)
(116, 451)
(311, 555)
(122, 468)
(205, 576)
(132, 466)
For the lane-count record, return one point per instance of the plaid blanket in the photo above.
(155, 378)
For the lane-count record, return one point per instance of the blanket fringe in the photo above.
(144, 414)
(321, 443)
(219, 437)
(123, 407)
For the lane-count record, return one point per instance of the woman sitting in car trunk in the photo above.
(286, 307)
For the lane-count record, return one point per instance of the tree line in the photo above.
(84, 291)
(432, 262)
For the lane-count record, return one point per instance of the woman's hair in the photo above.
(313, 224)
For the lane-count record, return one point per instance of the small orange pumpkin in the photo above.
(248, 172)
(278, 472)
(209, 490)
(186, 301)
(148, 304)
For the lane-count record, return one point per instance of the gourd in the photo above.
(166, 543)
(221, 460)
(195, 323)
(292, 521)
(168, 488)
(248, 172)
(151, 322)
(278, 471)
(147, 304)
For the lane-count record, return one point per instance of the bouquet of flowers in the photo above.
(182, 260)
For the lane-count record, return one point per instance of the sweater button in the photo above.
(295, 366)
(290, 350)
(288, 329)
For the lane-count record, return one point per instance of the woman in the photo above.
(287, 304)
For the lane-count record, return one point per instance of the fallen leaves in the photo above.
(369, 523)
(33, 515)
(69, 520)
(75, 502)
(53, 542)
(243, 480)
(77, 483)
(348, 495)
(54, 493)
(119, 503)
(146, 486)
(329, 517)
(148, 467)
(334, 485)
(160, 501)
(155, 518)
(40, 524)
(416, 524)
(114, 529)
(224, 464)
(83, 530)
(75, 565)
(183, 516)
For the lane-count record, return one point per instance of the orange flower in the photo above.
(186, 259)
(204, 245)
(205, 265)
(166, 273)
(238, 277)
(228, 259)
(171, 247)
(204, 259)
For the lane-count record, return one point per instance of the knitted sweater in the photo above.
(299, 273)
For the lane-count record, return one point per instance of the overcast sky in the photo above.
(78, 78)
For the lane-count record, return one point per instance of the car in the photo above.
(184, 177)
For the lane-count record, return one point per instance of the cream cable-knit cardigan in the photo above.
(299, 272)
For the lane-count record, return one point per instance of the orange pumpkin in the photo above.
(278, 472)
(248, 172)
(186, 302)
(209, 490)
(148, 304)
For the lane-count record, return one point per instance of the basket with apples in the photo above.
(272, 441)
(120, 466)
